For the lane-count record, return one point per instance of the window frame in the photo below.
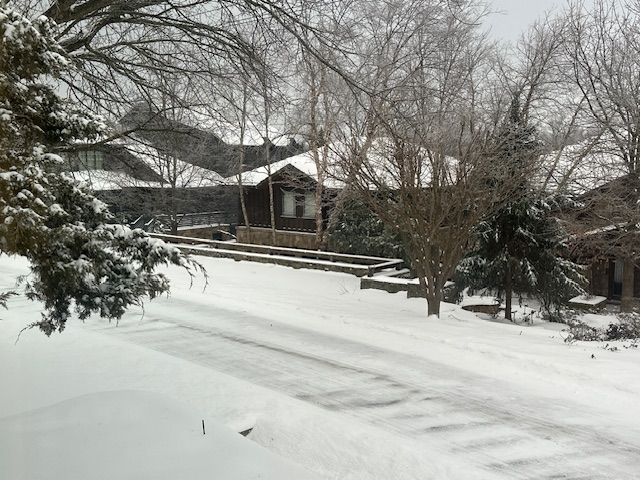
(91, 159)
(309, 201)
(288, 212)
(292, 200)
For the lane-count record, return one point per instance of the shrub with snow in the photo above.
(627, 327)
(78, 259)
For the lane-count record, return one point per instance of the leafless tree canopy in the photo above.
(123, 46)
(422, 144)
(600, 46)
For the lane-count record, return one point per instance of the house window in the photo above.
(309, 205)
(91, 159)
(618, 270)
(288, 204)
(298, 205)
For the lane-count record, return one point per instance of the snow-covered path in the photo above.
(351, 384)
(490, 423)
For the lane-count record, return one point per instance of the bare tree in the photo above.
(319, 115)
(420, 151)
(131, 50)
(121, 45)
(601, 47)
(158, 132)
(243, 129)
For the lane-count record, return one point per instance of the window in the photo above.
(309, 205)
(288, 204)
(91, 159)
(618, 268)
(298, 205)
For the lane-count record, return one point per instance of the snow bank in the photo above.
(130, 435)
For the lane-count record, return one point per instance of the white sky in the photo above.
(518, 15)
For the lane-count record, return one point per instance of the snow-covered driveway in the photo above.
(510, 402)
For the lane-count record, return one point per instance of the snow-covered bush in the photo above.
(578, 330)
(626, 328)
(79, 260)
(559, 315)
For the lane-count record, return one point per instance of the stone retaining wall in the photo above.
(284, 238)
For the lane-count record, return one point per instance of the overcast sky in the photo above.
(519, 14)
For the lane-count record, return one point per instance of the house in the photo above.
(113, 157)
(138, 180)
(607, 239)
(166, 169)
(604, 223)
(200, 147)
(294, 182)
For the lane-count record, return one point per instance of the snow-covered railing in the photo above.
(191, 219)
(359, 265)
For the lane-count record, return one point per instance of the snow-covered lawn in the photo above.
(97, 402)
(129, 435)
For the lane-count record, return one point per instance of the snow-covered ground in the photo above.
(345, 383)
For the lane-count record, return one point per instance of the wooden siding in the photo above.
(602, 280)
(257, 202)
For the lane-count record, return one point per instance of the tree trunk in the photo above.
(173, 198)
(243, 126)
(320, 233)
(267, 159)
(321, 240)
(508, 293)
(434, 298)
(243, 203)
(272, 211)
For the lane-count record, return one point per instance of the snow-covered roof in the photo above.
(304, 162)
(186, 175)
(579, 168)
(170, 168)
(376, 166)
(101, 180)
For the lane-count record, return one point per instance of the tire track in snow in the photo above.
(465, 414)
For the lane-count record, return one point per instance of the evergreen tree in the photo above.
(78, 259)
(519, 249)
(357, 230)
